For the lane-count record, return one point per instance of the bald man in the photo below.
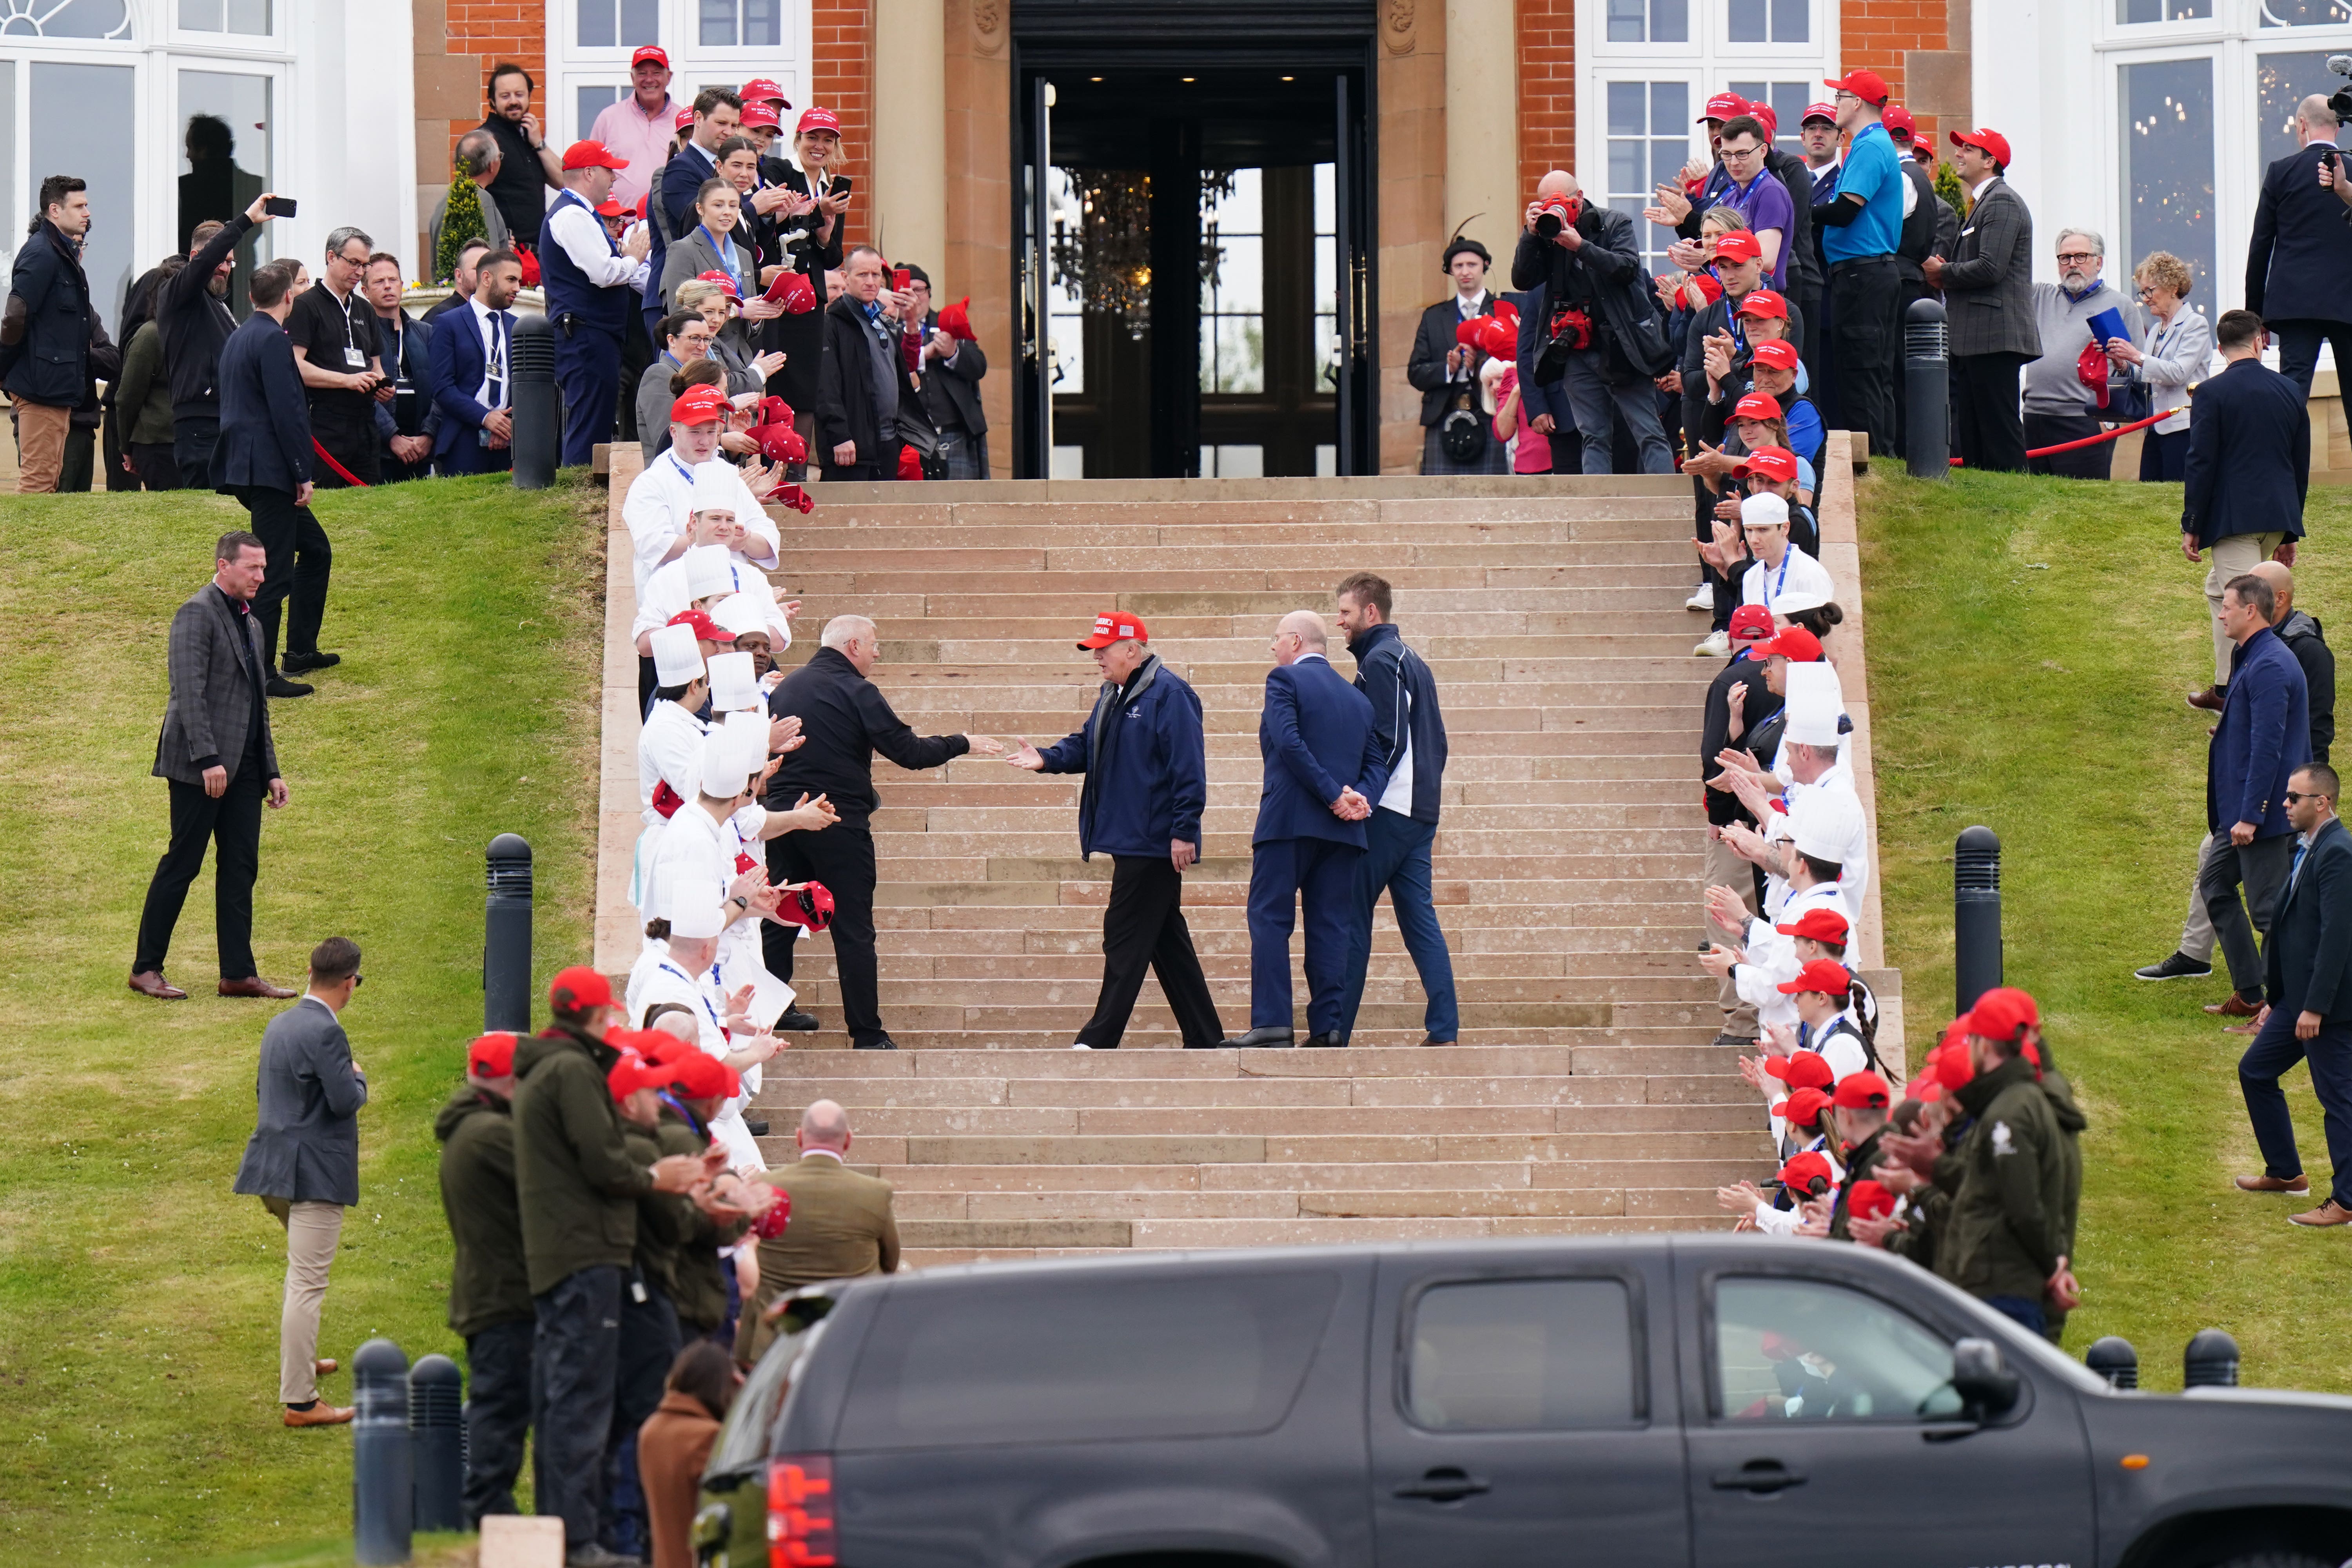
(1597, 294)
(1324, 767)
(846, 720)
(2302, 249)
(841, 1223)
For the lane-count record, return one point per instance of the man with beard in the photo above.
(192, 308)
(2058, 406)
(528, 166)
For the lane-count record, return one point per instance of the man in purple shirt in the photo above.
(1757, 191)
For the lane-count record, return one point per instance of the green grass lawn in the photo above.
(2031, 641)
(138, 1295)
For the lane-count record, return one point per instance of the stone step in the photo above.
(1595, 540)
(1188, 1233)
(1580, 1102)
(926, 1207)
(1496, 1176)
(1197, 1093)
(1361, 1062)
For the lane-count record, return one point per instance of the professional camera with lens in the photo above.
(2341, 101)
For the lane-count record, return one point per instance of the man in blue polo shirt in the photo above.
(1859, 223)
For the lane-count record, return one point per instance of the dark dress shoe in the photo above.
(2237, 1007)
(1267, 1038)
(2211, 698)
(151, 983)
(2179, 966)
(319, 1415)
(301, 663)
(280, 686)
(794, 1018)
(254, 986)
(884, 1043)
(1433, 1040)
(756, 1129)
(2266, 1183)
(1335, 1040)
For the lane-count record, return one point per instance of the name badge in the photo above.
(355, 360)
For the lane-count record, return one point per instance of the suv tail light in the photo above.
(800, 1511)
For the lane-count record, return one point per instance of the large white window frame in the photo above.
(693, 65)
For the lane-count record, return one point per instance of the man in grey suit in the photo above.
(216, 754)
(1988, 288)
(303, 1161)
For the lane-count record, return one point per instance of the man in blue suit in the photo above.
(2310, 1014)
(469, 376)
(263, 459)
(2263, 737)
(1323, 770)
(2302, 249)
(2249, 468)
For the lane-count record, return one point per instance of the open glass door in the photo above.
(1352, 197)
(1034, 421)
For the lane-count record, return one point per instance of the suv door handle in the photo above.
(1446, 1484)
(1763, 1477)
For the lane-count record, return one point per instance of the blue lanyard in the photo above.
(699, 995)
(1774, 586)
(725, 251)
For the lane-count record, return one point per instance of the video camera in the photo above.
(2341, 101)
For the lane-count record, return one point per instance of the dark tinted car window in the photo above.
(1042, 1361)
(1799, 1350)
(1519, 1355)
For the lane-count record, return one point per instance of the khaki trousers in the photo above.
(311, 1232)
(2232, 557)
(1726, 869)
(40, 446)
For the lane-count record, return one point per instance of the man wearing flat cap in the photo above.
(1442, 364)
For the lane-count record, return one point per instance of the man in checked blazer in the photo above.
(1988, 288)
(217, 755)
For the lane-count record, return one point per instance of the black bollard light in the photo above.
(2113, 1358)
(1976, 916)
(506, 938)
(1927, 390)
(2209, 1361)
(383, 1475)
(538, 440)
(437, 1438)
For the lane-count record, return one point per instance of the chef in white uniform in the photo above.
(671, 587)
(684, 975)
(669, 745)
(661, 503)
(1781, 569)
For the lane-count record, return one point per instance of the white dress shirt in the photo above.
(580, 232)
(660, 506)
(496, 329)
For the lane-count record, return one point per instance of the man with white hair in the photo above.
(2058, 406)
(661, 503)
(2302, 249)
(846, 720)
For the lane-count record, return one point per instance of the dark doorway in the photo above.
(1196, 225)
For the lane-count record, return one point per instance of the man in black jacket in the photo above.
(1591, 269)
(46, 333)
(2302, 250)
(846, 720)
(192, 310)
(1751, 624)
(863, 383)
(1440, 361)
(952, 365)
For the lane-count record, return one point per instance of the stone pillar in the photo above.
(910, 205)
(1482, 125)
(978, 260)
(1412, 194)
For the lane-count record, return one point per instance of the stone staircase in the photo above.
(1583, 1095)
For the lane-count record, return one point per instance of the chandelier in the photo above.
(1102, 251)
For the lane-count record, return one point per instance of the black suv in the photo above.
(1707, 1401)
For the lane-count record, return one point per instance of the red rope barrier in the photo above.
(349, 478)
(2094, 440)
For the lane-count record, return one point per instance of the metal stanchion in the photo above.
(437, 1437)
(1928, 391)
(382, 1476)
(537, 439)
(506, 937)
(1976, 916)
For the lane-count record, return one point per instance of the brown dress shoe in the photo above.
(151, 983)
(319, 1415)
(254, 986)
(2267, 1182)
(2330, 1213)
(324, 1367)
(2209, 699)
(2237, 1007)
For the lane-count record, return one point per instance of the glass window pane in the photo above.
(1793, 1350)
(72, 19)
(83, 119)
(1241, 274)
(1326, 460)
(1750, 23)
(1626, 22)
(1666, 160)
(1790, 22)
(591, 101)
(1625, 107)
(1326, 353)
(2135, 11)
(1624, 170)
(763, 24)
(717, 24)
(203, 15)
(1241, 353)
(10, 232)
(1670, 110)
(596, 18)
(224, 161)
(1067, 463)
(1326, 274)
(640, 22)
(1669, 21)
(2167, 165)
(2305, 13)
(2282, 82)
(249, 17)
(1327, 201)
(1241, 462)
(1521, 1356)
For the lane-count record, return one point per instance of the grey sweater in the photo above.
(2051, 386)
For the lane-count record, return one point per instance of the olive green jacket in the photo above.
(2011, 1219)
(575, 1177)
(487, 1284)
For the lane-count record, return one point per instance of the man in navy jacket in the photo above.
(1323, 770)
(2249, 468)
(474, 436)
(2263, 737)
(46, 322)
(1410, 731)
(1147, 767)
(2302, 249)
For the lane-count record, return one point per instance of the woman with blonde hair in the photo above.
(2177, 354)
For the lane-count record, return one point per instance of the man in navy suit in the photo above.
(2302, 250)
(2264, 736)
(1323, 770)
(2310, 1011)
(263, 459)
(469, 375)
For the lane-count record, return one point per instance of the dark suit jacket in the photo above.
(416, 367)
(214, 697)
(2249, 455)
(457, 373)
(1432, 341)
(2310, 941)
(2264, 736)
(1316, 738)
(265, 418)
(845, 385)
(1989, 277)
(44, 356)
(305, 1146)
(957, 384)
(1538, 397)
(2302, 249)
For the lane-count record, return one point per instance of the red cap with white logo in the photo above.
(1112, 626)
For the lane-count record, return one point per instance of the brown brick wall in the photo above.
(1547, 87)
(486, 32)
(841, 39)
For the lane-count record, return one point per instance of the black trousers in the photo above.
(842, 858)
(575, 1365)
(2261, 866)
(2299, 342)
(498, 1414)
(649, 1342)
(1143, 926)
(300, 564)
(1866, 344)
(157, 468)
(1985, 417)
(2164, 457)
(1809, 304)
(233, 824)
(192, 440)
(356, 450)
(2092, 462)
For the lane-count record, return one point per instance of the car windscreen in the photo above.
(1054, 1360)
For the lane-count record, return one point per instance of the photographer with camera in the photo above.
(2302, 249)
(1604, 335)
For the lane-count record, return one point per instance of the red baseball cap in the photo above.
(759, 89)
(1778, 353)
(702, 1077)
(1763, 301)
(1803, 1070)
(799, 296)
(1808, 1174)
(1500, 337)
(593, 155)
(1750, 621)
(2003, 1012)
(820, 119)
(1862, 1091)
(1794, 644)
(1954, 1066)
(811, 907)
(705, 628)
(1867, 1199)
(1819, 111)
(1866, 85)
(1757, 405)
(1989, 142)
(1894, 117)
(608, 207)
(491, 1055)
(1817, 925)
(1113, 626)
(632, 1073)
(1826, 975)
(1775, 463)
(1767, 116)
(651, 1045)
(684, 118)
(1739, 245)
(759, 116)
(1725, 106)
(699, 406)
(653, 52)
(578, 989)
(715, 276)
(1803, 1107)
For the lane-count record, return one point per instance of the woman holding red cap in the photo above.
(811, 239)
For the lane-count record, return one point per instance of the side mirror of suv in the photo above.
(1983, 1381)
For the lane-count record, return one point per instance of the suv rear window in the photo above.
(1052, 1361)
(1521, 1356)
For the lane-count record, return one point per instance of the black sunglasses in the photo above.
(2291, 796)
